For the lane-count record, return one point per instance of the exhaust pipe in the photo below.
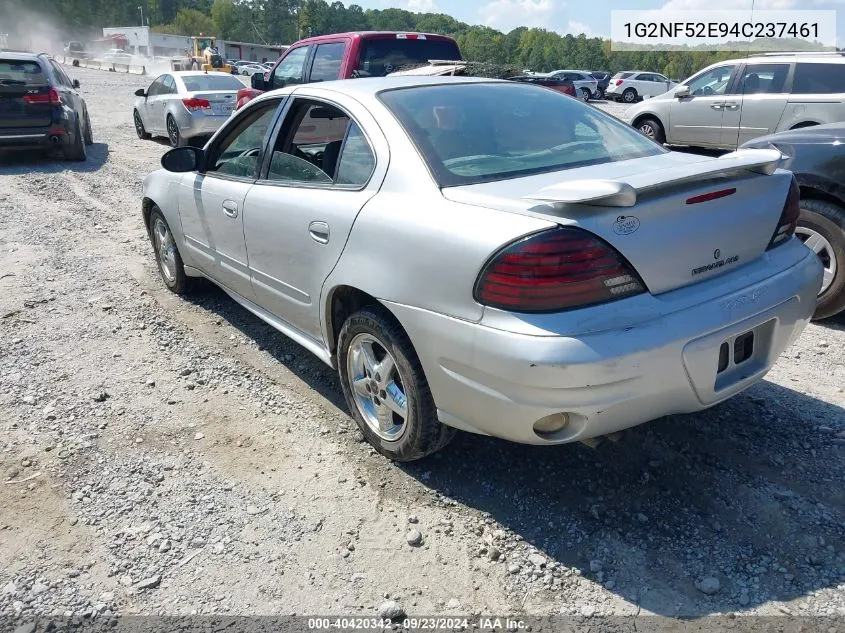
(55, 139)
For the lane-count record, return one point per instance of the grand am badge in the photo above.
(626, 224)
(719, 263)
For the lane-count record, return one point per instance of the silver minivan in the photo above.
(734, 101)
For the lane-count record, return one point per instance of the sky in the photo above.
(591, 17)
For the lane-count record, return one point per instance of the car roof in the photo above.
(23, 56)
(371, 35)
(369, 87)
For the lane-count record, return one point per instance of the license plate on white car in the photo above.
(224, 108)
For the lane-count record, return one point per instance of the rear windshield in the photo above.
(383, 56)
(479, 132)
(218, 81)
(818, 79)
(29, 72)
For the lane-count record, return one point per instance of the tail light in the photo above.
(788, 217)
(52, 97)
(557, 269)
(619, 82)
(196, 104)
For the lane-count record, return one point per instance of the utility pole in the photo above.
(141, 9)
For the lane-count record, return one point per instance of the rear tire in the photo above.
(629, 95)
(414, 436)
(76, 149)
(585, 95)
(173, 133)
(652, 128)
(89, 133)
(169, 261)
(820, 218)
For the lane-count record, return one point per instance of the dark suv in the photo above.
(40, 107)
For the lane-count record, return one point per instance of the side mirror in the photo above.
(76, 83)
(140, 92)
(682, 91)
(182, 160)
(258, 82)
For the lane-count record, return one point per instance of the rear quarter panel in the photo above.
(812, 109)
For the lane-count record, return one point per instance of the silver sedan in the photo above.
(489, 256)
(185, 105)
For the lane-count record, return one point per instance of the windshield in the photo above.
(28, 72)
(220, 81)
(478, 132)
(380, 57)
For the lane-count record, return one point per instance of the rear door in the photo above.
(327, 61)
(697, 118)
(754, 104)
(24, 95)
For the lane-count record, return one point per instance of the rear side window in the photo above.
(219, 81)
(380, 57)
(29, 72)
(763, 79)
(622, 75)
(357, 161)
(327, 60)
(821, 79)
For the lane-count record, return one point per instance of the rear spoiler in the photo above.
(623, 191)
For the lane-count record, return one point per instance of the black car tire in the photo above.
(180, 284)
(658, 134)
(423, 433)
(75, 150)
(140, 130)
(89, 133)
(629, 95)
(173, 133)
(828, 220)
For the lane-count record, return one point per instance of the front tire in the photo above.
(386, 389)
(821, 226)
(629, 95)
(169, 261)
(140, 130)
(652, 128)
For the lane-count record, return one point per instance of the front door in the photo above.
(321, 172)
(697, 118)
(211, 203)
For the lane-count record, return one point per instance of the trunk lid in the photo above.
(24, 95)
(649, 210)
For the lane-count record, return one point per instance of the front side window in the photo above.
(290, 69)
(469, 133)
(819, 79)
(239, 153)
(763, 79)
(712, 82)
(168, 85)
(156, 88)
(308, 148)
(327, 60)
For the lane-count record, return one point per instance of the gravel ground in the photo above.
(169, 457)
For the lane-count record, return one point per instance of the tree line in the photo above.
(285, 21)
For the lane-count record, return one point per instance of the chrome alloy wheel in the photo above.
(165, 249)
(648, 130)
(821, 247)
(378, 387)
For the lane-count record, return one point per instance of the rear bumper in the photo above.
(192, 125)
(499, 383)
(34, 138)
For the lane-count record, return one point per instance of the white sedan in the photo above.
(489, 256)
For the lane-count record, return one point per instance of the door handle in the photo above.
(230, 208)
(716, 106)
(731, 106)
(319, 232)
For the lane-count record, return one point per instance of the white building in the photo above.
(140, 40)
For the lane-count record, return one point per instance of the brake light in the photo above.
(619, 82)
(557, 269)
(196, 104)
(52, 97)
(788, 217)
